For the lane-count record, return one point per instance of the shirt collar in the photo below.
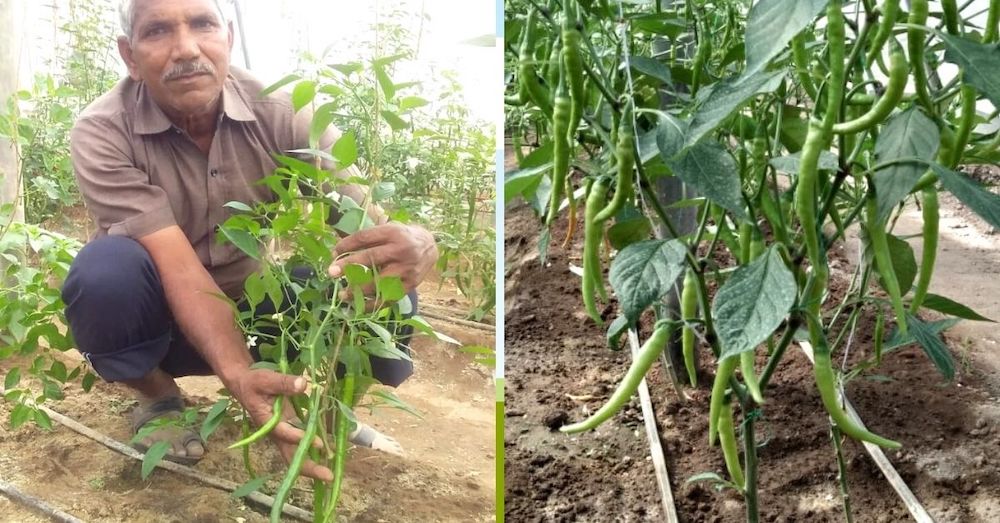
(150, 119)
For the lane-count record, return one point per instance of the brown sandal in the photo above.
(170, 407)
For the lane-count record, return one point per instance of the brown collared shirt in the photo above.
(138, 173)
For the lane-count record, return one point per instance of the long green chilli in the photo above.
(915, 45)
(898, 70)
(647, 355)
(826, 384)
(890, 11)
(883, 260)
(592, 234)
(299, 457)
(343, 424)
(530, 84)
(626, 161)
(801, 60)
(689, 313)
(572, 59)
(929, 254)
(264, 429)
(560, 152)
(722, 375)
(949, 10)
(727, 440)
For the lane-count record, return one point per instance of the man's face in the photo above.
(180, 49)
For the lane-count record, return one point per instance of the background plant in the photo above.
(791, 121)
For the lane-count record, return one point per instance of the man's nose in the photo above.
(186, 46)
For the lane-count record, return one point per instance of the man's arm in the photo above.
(207, 322)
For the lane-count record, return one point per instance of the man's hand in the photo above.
(255, 390)
(393, 249)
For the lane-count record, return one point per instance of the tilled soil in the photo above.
(559, 369)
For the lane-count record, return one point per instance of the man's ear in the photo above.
(232, 35)
(125, 51)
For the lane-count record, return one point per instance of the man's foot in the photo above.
(367, 436)
(187, 447)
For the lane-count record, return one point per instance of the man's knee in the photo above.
(109, 272)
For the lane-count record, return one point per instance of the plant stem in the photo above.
(749, 465)
(841, 472)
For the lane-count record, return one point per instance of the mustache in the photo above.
(187, 69)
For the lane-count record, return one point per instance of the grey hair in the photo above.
(126, 14)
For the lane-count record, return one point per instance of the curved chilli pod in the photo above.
(890, 11)
(626, 162)
(883, 260)
(560, 152)
(722, 375)
(572, 60)
(826, 384)
(898, 69)
(648, 354)
(689, 312)
(929, 254)
(531, 87)
(592, 234)
(727, 440)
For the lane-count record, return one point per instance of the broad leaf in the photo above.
(725, 98)
(279, 84)
(670, 134)
(540, 156)
(214, 418)
(243, 240)
(897, 340)
(980, 64)
(322, 119)
(952, 308)
(904, 264)
(908, 134)
(628, 229)
(303, 94)
(771, 24)
(516, 183)
(652, 68)
(712, 171)
(615, 330)
(790, 163)
(250, 486)
(981, 201)
(394, 121)
(935, 349)
(345, 150)
(753, 303)
(643, 272)
(153, 457)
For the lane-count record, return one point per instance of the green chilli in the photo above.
(299, 457)
(689, 313)
(560, 152)
(719, 386)
(727, 440)
(898, 70)
(647, 355)
(530, 84)
(264, 429)
(572, 60)
(593, 231)
(929, 254)
(949, 9)
(626, 162)
(801, 60)
(341, 434)
(915, 45)
(890, 11)
(883, 260)
(750, 376)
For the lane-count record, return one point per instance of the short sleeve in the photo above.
(119, 195)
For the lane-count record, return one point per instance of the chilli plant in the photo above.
(790, 122)
(326, 329)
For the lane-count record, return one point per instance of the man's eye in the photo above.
(204, 24)
(156, 31)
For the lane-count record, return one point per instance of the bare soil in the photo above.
(446, 476)
(559, 369)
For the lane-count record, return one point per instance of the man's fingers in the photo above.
(309, 468)
(364, 238)
(286, 433)
(276, 383)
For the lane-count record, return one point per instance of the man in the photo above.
(156, 158)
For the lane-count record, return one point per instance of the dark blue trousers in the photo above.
(122, 324)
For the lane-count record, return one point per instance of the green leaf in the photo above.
(285, 222)
(390, 288)
(790, 163)
(408, 103)
(279, 84)
(904, 264)
(348, 68)
(615, 330)
(652, 68)
(725, 98)
(243, 241)
(250, 486)
(935, 349)
(303, 94)
(383, 191)
(153, 456)
(394, 121)
(215, 417)
(634, 227)
(345, 150)
(975, 196)
(644, 272)
(386, 60)
(753, 303)
(896, 340)
(391, 400)
(19, 415)
(712, 171)
(516, 183)
(908, 134)
(42, 419)
(385, 83)
(239, 206)
(980, 64)
(88, 381)
(12, 379)
(711, 477)
(57, 371)
(771, 24)
(321, 120)
(670, 134)
(951, 307)
(538, 157)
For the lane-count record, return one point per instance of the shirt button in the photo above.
(213, 173)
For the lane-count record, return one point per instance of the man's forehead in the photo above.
(151, 10)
